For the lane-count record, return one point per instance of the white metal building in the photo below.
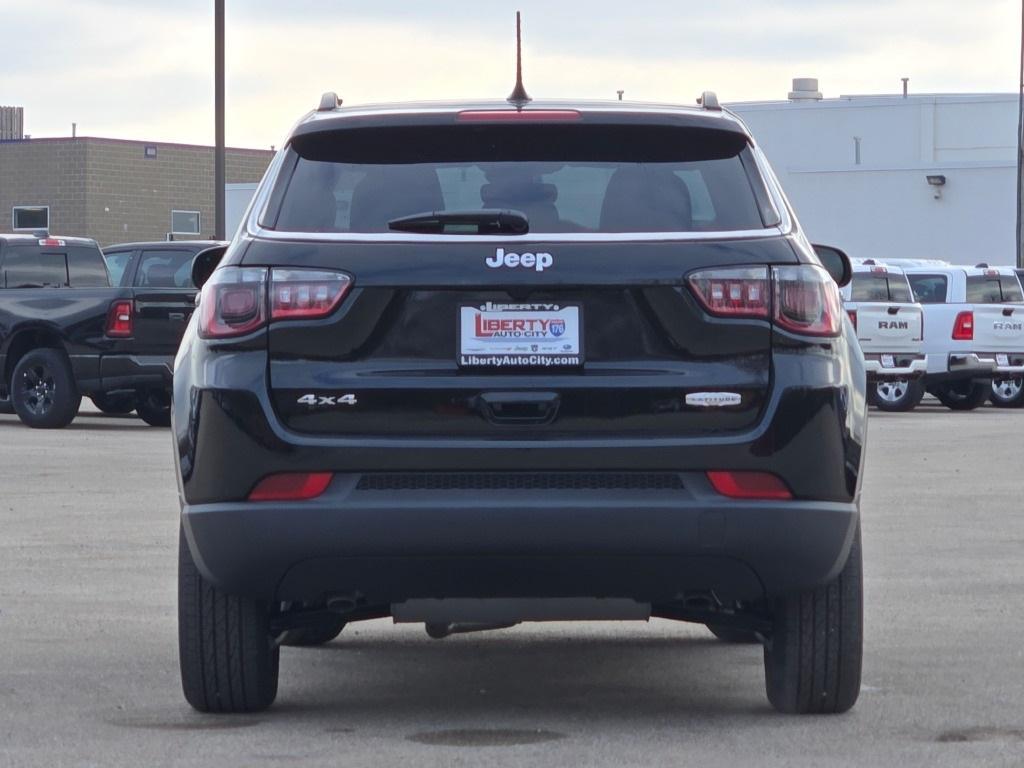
(922, 176)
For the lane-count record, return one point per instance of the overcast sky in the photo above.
(142, 69)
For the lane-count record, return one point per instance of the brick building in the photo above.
(115, 190)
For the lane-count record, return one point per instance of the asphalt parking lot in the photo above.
(88, 654)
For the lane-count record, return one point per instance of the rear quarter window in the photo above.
(581, 178)
(929, 289)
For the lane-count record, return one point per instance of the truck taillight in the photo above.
(235, 300)
(963, 328)
(120, 320)
(733, 292)
(806, 300)
(852, 313)
(306, 293)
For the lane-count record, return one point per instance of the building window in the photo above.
(30, 217)
(185, 222)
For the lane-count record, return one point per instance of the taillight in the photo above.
(749, 485)
(852, 313)
(733, 292)
(291, 486)
(806, 300)
(306, 293)
(233, 302)
(235, 299)
(120, 323)
(963, 328)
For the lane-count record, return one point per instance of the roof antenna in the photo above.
(519, 97)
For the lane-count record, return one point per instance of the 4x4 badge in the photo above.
(713, 399)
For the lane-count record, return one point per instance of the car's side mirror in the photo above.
(204, 262)
(835, 262)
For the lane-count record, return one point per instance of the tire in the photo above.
(896, 395)
(812, 662)
(43, 390)
(733, 635)
(115, 405)
(1007, 393)
(311, 636)
(154, 407)
(229, 662)
(963, 395)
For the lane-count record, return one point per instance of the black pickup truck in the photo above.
(67, 330)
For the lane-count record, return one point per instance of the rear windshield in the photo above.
(994, 289)
(165, 269)
(871, 286)
(929, 289)
(563, 178)
(29, 266)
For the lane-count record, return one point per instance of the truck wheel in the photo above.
(733, 635)
(963, 395)
(1007, 393)
(154, 407)
(115, 405)
(812, 662)
(319, 635)
(43, 390)
(896, 395)
(229, 662)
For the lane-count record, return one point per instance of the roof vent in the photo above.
(328, 102)
(805, 89)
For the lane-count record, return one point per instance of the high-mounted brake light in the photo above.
(517, 115)
(733, 292)
(749, 485)
(991, 273)
(52, 242)
(235, 300)
(879, 271)
(291, 486)
(963, 327)
(120, 324)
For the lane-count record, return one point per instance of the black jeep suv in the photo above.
(475, 364)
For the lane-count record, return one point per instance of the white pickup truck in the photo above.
(889, 327)
(973, 332)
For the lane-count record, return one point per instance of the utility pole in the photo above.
(1020, 141)
(218, 108)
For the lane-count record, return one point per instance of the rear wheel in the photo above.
(963, 395)
(1007, 393)
(896, 395)
(113, 404)
(812, 662)
(229, 662)
(154, 407)
(43, 390)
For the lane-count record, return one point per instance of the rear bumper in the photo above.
(135, 371)
(905, 366)
(386, 546)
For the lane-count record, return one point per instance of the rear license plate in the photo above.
(1002, 360)
(888, 361)
(520, 335)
